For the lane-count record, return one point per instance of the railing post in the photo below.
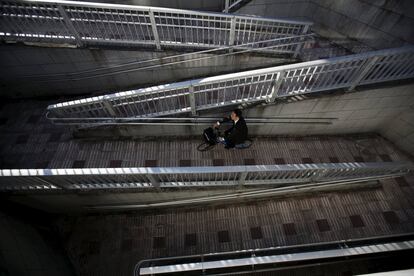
(360, 74)
(242, 178)
(300, 42)
(277, 83)
(232, 34)
(155, 183)
(108, 107)
(226, 6)
(154, 30)
(70, 25)
(191, 97)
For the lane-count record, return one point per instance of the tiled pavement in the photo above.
(29, 140)
(97, 244)
(111, 244)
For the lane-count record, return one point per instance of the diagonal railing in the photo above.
(277, 258)
(94, 24)
(263, 85)
(182, 177)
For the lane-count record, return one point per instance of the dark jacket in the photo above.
(237, 134)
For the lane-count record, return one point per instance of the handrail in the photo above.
(251, 259)
(182, 177)
(91, 24)
(252, 86)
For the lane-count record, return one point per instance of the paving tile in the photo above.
(3, 121)
(334, 160)
(256, 233)
(279, 161)
(391, 217)
(185, 163)
(402, 182)
(158, 242)
(78, 164)
(127, 245)
(307, 160)
(115, 163)
(54, 137)
(223, 236)
(356, 221)
(33, 119)
(385, 158)
(218, 162)
(94, 247)
(289, 229)
(359, 159)
(190, 240)
(42, 164)
(249, 161)
(323, 225)
(22, 139)
(151, 163)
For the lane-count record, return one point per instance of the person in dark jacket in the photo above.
(237, 133)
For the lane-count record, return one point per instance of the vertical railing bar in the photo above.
(364, 71)
(154, 29)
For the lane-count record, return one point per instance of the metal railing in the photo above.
(91, 24)
(253, 260)
(255, 86)
(181, 177)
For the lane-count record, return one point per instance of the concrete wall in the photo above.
(25, 252)
(401, 130)
(376, 24)
(39, 71)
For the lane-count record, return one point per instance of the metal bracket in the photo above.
(154, 30)
(70, 25)
(276, 86)
(360, 74)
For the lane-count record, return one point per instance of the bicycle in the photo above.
(211, 139)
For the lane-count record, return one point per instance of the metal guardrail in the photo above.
(252, 86)
(275, 258)
(91, 24)
(181, 177)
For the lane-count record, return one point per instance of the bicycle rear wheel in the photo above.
(205, 147)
